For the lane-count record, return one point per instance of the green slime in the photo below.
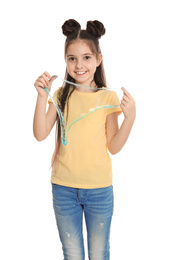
(63, 125)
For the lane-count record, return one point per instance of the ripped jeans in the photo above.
(97, 206)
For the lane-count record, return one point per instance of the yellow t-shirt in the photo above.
(85, 162)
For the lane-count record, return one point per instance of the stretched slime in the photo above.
(66, 125)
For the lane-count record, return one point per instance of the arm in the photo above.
(43, 122)
(116, 138)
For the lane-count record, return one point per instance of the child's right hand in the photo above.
(44, 81)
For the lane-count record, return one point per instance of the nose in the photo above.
(79, 64)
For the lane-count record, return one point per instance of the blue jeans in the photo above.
(97, 206)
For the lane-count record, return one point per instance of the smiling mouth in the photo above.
(80, 72)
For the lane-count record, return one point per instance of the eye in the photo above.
(71, 59)
(87, 57)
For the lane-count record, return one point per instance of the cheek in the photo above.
(94, 68)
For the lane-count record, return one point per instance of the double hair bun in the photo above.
(95, 28)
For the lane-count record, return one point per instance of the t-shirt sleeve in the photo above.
(113, 100)
(55, 97)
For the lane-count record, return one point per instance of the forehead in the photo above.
(78, 47)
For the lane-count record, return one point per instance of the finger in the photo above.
(47, 75)
(43, 81)
(52, 79)
(126, 93)
(122, 107)
(38, 84)
(126, 98)
(40, 87)
(124, 103)
(54, 76)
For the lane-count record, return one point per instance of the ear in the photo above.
(99, 59)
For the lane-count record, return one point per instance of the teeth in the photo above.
(80, 72)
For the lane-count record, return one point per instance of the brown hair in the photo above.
(72, 29)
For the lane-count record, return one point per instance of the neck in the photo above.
(86, 88)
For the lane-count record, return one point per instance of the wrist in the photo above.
(130, 120)
(42, 96)
(42, 99)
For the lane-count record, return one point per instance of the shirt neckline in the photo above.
(88, 93)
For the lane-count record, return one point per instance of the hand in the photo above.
(128, 106)
(44, 81)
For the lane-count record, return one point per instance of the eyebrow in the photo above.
(85, 54)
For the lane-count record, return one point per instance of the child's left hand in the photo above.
(128, 106)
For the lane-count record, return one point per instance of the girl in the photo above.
(81, 170)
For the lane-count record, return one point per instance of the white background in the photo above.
(138, 54)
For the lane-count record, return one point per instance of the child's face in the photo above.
(81, 62)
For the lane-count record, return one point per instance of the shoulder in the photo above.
(110, 96)
(56, 96)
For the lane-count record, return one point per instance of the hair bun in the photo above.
(96, 28)
(70, 26)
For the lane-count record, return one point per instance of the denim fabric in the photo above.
(97, 206)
